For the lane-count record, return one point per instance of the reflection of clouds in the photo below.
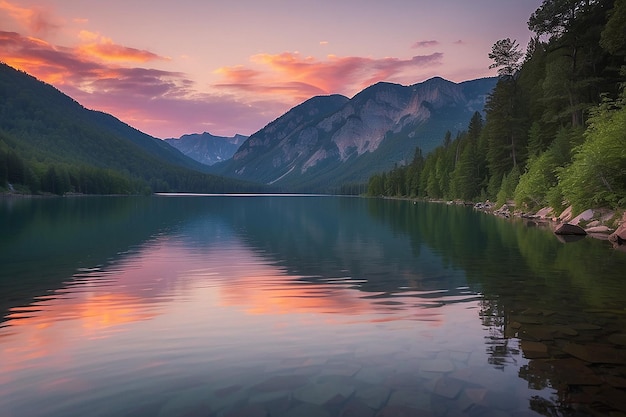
(189, 286)
(96, 304)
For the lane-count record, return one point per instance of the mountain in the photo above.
(43, 131)
(207, 148)
(332, 140)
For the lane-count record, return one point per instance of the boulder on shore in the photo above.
(619, 236)
(570, 229)
(584, 216)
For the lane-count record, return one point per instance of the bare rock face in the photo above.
(584, 216)
(567, 214)
(570, 229)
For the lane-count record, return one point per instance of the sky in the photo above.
(170, 68)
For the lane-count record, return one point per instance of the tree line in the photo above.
(29, 174)
(554, 127)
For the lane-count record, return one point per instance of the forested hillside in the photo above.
(50, 143)
(554, 128)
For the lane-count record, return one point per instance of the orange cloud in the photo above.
(106, 50)
(73, 66)
(299, 76)
(36, 19)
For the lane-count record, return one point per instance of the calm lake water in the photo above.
(302, 306)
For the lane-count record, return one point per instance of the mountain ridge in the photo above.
(348, 139)
(50, 142)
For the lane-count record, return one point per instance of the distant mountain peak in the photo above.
(206, 148)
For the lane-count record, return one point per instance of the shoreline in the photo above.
(597, 223)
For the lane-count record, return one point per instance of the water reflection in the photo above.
(559, 305)
(218, 305)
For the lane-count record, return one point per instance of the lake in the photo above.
(302, 306)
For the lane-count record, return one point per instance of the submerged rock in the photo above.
(570, 229)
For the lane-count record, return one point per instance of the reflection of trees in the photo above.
(320, 238)
(500, 348)
(45, 240)
(559, 305)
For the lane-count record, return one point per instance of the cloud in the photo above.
(424, 44)
(460, 42)
(103, 75)
(62, 65)
(289, 72)
(36, 19)
(105, 49)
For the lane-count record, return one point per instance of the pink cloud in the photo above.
(109, 51)
(306, 76)
(146, 98)
(102, 48)
(424, 44)
(168, 104)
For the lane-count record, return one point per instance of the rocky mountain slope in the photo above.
(207, 148)
(332, 140)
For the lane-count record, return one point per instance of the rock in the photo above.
(307, 410)
(448, 387)
(373, 397)
(400, 411)
(570, 229)
(566, 215)
(281, 383)
(618, 339)
(356, 408)
(534, 350)
(619, 236)
(597, 353)
(503, 211)
(438, 365)
(569, 238)
(598, 229)
(584, 216)
(544, 213)
(248, 411)
(320, 394)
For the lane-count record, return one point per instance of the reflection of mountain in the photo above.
(335, 238)
(315, 238)
(560, 306)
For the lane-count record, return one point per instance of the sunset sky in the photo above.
(171, 68)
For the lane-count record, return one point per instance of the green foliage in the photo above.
(49, 143)
(535, 184)
(613, 38)
(506, 56)
(597, 174)
(507, 187)
(548, 138)
(506, 135)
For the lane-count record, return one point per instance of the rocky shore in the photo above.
(597, 223)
